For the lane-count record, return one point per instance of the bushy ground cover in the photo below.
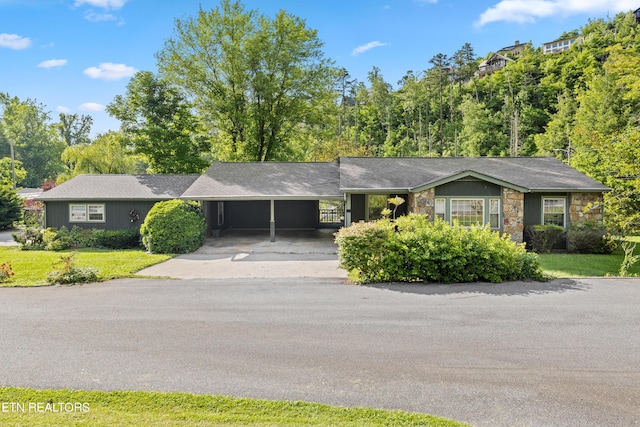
(52, 239)
(413, 249)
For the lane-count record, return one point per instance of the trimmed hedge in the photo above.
(117, 239)
(414, 249)
(174, 227)
(588, 239)
(61, 239)
(543, 237)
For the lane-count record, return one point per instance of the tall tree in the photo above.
(439, 73)
(27, 128)
(106, 155)
(75, 129)
(10, 207)
(256, 80)
(344, 85)
(481, 132)
(8, 169)
(161, 126)
(465, 65)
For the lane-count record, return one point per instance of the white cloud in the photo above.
(52, 63)
(63, 109)
(91, 106)
(104, 4)
(365, 47)
(14, 41)
(527, 11)
(92, 16)
(110, 71)
(426, 1)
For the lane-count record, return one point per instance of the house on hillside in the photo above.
(508, 193)
(558, 46)
(494, 63)
(514, 50)
(637, 15)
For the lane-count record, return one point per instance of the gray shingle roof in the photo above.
(121, 187)
(262, 180)
(405, 174)
(274, 180)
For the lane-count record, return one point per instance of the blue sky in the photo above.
(75, 56)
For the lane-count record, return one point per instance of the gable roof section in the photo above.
(412, 174)
(121, 187)
(267, 180)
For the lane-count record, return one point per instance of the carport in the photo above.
(266, 195)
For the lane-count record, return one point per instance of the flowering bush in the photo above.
(6, 272)
(65, 272)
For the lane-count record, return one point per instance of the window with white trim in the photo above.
(467, 212)
(86, 213)
(77, 213)
(554, 211)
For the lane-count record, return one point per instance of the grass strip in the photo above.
(21, 406)
(31, 267)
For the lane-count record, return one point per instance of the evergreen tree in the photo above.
(10, 207)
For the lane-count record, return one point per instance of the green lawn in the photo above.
(96, 408)
(584, 265)
(31, 267)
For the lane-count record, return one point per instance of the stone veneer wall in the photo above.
(423, 203)
(586, 207)
(513, 217)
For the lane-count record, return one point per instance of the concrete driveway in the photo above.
(564, 353)
(249, 254)
(6, 239)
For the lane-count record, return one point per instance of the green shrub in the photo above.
(82, 237)
(10, 207)
(588, 239)
(57, 240)
(173, 227)
(31, 238)
(543, 237)
(65, 272)
(116, 239)
(414, 249)
(62, 239)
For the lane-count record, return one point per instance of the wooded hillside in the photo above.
(221, 93)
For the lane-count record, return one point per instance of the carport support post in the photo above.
(272, 222)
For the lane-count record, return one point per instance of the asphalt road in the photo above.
(564, 353)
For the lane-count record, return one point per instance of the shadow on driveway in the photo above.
(476, 289)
